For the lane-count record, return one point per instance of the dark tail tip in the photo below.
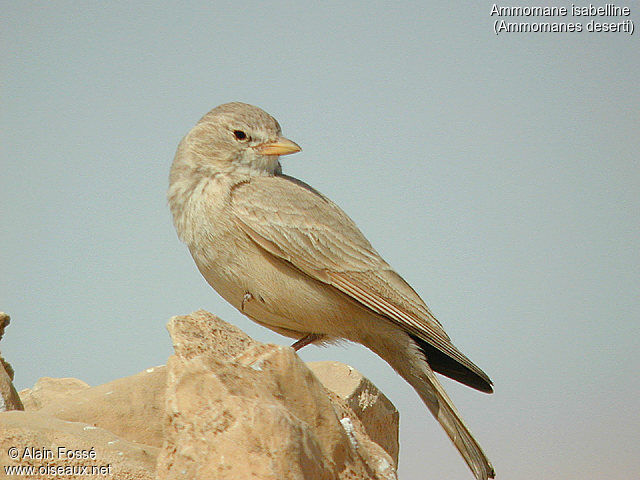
(445, 365)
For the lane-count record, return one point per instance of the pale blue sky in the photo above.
(498, 174)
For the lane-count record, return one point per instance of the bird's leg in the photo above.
(247, 297)
(306, 340)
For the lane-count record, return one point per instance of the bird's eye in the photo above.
(240, 135)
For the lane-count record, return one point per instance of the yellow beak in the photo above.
(282, 146)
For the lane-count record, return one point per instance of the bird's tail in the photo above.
(441, 406)
(409, 361)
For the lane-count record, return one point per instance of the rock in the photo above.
(202, 333)
(224, 407)
(225, 401)
(5, 320)
(36, 438)
(131, 407)
(49, 390)
(9, 398)
(376, 412)
(213, 433)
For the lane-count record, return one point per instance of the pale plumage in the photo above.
(290, 259)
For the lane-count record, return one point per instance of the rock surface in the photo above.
(30, 435)
(224, 407)
(131, 407)
(49, 391)
(379, 417)
(9, 398)
(260, 403)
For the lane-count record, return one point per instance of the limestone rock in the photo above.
(131, 407)
(202, 333)
(9, 398)
(49, 390)
(5, 320)
(259, 403)
(33, 434)
(376, 412)
(224, 407)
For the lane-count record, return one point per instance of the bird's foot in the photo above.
(247, 297)
(306, 340)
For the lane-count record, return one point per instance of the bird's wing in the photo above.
(291, 220)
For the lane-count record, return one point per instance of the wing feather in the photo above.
(312, 233)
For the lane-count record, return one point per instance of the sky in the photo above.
(498, 174)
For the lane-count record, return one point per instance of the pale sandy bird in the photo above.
(290, 259)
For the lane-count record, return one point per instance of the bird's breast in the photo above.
(204, 221)
(198, 205)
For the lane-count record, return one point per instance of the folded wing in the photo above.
(306, 229)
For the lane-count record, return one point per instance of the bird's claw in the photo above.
(247, 297)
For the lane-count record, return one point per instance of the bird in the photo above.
(290, 259)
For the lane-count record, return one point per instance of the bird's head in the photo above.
(236, 137)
